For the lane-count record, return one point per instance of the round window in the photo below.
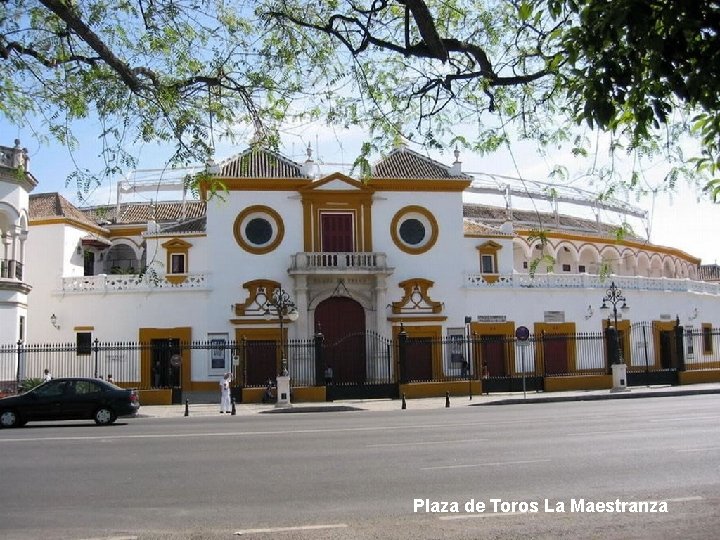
(258, 229)
(414, 229)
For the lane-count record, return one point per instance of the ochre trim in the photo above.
(251, 306)
(507, 329)
(435, 228)
(83, 328)
(258, 334)
(392, 184)
(657, 327)
(116, 232)
(416, 298)
(434, 332)
(279, 229)
(257, 184)
(419, 318)
(71, 222)
(172, 247)
(567, 329)
(184, 335)
(644, 247)
(624, 327)
(357, 201)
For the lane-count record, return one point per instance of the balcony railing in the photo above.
(10, 269)
(346, 262)
(590, 281)
(105, 283)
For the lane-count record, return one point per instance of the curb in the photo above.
(598, 397)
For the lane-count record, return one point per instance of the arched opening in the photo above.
(342, 323)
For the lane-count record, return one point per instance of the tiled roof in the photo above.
(54, 205)
(493, 215)
(195, 225)
(260, 163)
(141, 213)
(404, 163)
(473, 227)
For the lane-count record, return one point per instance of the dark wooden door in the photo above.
(493, 355)
(337, 232)
(555, 354)
(342, 323)
(418, 365)
(260, 362)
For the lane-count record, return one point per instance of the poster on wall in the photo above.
(218, 352)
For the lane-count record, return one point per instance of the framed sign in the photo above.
(218, 352)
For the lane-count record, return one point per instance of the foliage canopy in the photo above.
(186, 71)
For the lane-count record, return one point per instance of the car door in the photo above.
(46, 402)
(82, 399)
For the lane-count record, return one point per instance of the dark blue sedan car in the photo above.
(69, 399)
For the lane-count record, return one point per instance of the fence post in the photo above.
(679, 344)
(319, 361)
(96, 350)
(19, 361)
(402, 354)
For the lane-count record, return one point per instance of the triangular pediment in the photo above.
(337, 182)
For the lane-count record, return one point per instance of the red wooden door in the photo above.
(555, 354)
(342, 323)
(337, 232)
(493, 354)
(418, 365)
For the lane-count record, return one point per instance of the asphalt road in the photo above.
(364, 474)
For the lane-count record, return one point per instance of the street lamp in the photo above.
(614, 295)
(279, 306)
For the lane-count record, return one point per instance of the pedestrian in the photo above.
(47, 376)
(110, 379)
(328, 376)
(225, 394)
(268, 395)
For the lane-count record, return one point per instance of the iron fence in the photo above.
(366, 359)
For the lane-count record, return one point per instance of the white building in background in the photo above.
(398, 248)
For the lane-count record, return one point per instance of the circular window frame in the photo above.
(429, 219)
(273, 218)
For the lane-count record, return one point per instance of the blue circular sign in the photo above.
(522, 333)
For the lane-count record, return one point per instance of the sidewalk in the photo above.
(247, 409)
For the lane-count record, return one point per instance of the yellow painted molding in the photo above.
(438, 389)
(273, 215)
(427, 214)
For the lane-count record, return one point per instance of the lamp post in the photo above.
(619, 370)
(614, 295)
(279, 306)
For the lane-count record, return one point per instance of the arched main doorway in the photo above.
(342, 323)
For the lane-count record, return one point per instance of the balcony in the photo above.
(122, 283)
(10, 269)
(340, 263)
(590, 281)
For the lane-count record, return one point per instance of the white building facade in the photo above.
(398, 251)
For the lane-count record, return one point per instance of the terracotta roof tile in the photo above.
(260, 163)
(54, 205)
(404, 163)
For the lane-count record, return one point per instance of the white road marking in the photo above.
(684, 418)
(244, 433)
(289, 529)
(706, 449)
(424, 443)
(684, 499)
(491, 464)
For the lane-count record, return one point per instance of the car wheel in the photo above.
(10, 419)
(104, 416)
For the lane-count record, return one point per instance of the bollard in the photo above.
(447, 399)
(232, 411)
(404, 405)
(187, 407)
